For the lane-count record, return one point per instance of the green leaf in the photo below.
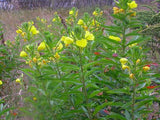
(92, 85)
(118, 91)
(5, 110)
(99, 107)
(127, 115)
(94, 93)
(115, 116)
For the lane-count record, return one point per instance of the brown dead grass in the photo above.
(12, 19)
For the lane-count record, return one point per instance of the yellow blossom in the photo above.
(34, 98)
(34, 59)
(123, 61)
(95, 13)
(115, 10)
(43, 20)
(1, 82)
(71, 12)
(81, 43)
(131, 76)
(38, 18)
(49, 26)
(80, 22)
(57, 56)
(85, 28)
(94, 22)
(54, 19)
(33, 30)
(137, 61)
(120, 10)
(146, 68)
(132, 5)
(63, 38)
(23, 34)
(23, 54)
(18, 80)
(60, 46)
(19, 31)
(44, 62)
(133, 14)
(115, 38)
(124, 67)
(132, 45)
(67, 40)
(101, 13)
(89, 36)
(42, 46)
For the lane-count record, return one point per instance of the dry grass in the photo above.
(12, 19)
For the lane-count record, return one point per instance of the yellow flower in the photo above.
(42, 46)
(115, 38)
(132, 5)
(115, 10)
(101, 13)
(81, 43)
(43, 20)
(57, 56)
(146, 68)
(80, 22)
(123, 61)
(63, 38)
(38, 18)
(34, 98)
(131, 76)
(30, 22)
(120, 10)
(34, 59)
(1, 82)
(94, 22)
(85, 28)
(44, 62)
(60, 46)
(95, 13)
(18, 80)
(124, 67)
(23, 34)
(133, 14)
(137, 61)
(23, 54)
(33, 30)
(54, 19)
(71, 12)
(67, 40)
(89, 36)
(132, 45)
(49, 26)
(19, 31)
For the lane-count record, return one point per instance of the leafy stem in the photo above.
(83, 82)
(123, 41)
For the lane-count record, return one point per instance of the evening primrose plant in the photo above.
(128, 80)
(81, 67)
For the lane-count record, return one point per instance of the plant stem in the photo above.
(123, 41)
(133, 101)
(84, 86)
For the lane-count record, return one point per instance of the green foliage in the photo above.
(83, 69)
